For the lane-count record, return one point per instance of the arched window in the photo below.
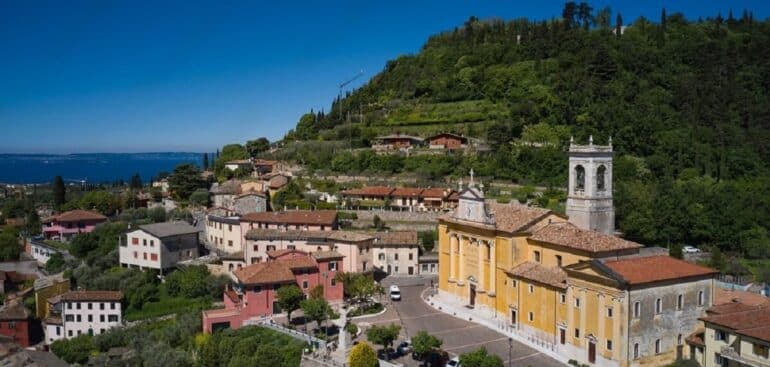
(381, 257)
(230, 267)
(636, 351)
(601, 174)
(580, 178)
(657, 346)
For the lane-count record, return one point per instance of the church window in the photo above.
(537, 256)
(580, 178)
(601, 174)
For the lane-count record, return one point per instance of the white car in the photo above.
(454, 362)
(395, 293)
(690, 250)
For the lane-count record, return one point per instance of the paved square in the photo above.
(459, 336)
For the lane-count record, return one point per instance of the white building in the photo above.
(396, 252)
(224, 233)
(41, 251)
(84, 312)
(159, 245)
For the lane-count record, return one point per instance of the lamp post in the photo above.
(510, 349)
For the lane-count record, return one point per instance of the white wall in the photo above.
(99, 318)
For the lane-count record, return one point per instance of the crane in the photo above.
(342, 85)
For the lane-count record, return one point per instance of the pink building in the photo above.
(69, 224)
(254, 293)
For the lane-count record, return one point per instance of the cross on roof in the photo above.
(471, 183)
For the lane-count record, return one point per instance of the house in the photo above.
(314, 220)
(250, 202)
(273, 182)
(396, 252)
(438, 199)
(69, 224)
(13, 354)
(159, 246)
(224, 233)
(406, 198)
(46, 288)
(41, 251)
(83, 312)
(254, 293)
(396, 141)
(239, 163)
(142, 199)
(224, 194)
(263, 166)
(16, 322)
(355, 247)
(368, 196)
(162, 184)
(447, 141)
(428, 263)
(738, 336)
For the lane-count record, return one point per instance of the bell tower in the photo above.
(589, 200)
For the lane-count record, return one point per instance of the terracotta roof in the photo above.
(515, 218)
(299, 262)
(229, 187)
(696, 338)
(300, 235)
(731, 307)
(655, 268)
(754, 323)
(92, 296)
(396, 238)
(14, 311)
(326, 255)
(265, 273)
(232, 295)
(569, 235)
(77, 215)
(252, 193)
(552, 276)
(281, 252)
(317, 217)
(369, 191)
(406, 192)
(723, 296)
(435, 193)
(454, 196)
(447, 134)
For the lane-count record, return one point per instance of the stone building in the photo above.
(589, 199)
(396, 252)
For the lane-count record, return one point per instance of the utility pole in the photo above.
(339, 101)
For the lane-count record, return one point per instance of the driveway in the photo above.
(459, 336)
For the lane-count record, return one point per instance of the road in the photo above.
(459, 336)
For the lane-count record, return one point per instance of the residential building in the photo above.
(263, 166)
(239, 163)
(223, 195)
(162, 184)
(355, 247)
(159, 246)
(368, 196)
(306, 220)
(84, 312)
(254, 293)
(590, 296)
(404, 198)
(40, 250)
(428, 263)
(250, 202)
(69, 224)
(46, 288)
(224, 233)
(13, 354)
(447, 141)
(275, 181)
(16, 322)
(737, 337)
(396, 252)
(396, 141)
(438, 199)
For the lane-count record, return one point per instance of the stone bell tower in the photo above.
(589, 200)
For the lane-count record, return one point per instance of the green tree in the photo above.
(316, 309)
(75, 350)
(259, 145)
(200, 198)
(383, 335)
(9, 245)
(424, 343)
(32, 225)
(480, 358)
(157, 214)
(100, 200)
(205, 161)
(136, 182)
(59, 192)
(185, 180)
(362, 355)
(189, 282)
(289, 299)
(55, 263)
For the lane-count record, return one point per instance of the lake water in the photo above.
(95, 168)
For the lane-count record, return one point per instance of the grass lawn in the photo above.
(166, 305)
(57, 244)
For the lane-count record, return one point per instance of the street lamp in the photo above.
(510, 349)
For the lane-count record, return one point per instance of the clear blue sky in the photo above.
(134, 76)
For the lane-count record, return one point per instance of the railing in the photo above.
(316, 342)
(323, 360)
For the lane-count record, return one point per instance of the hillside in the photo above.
(686, 103)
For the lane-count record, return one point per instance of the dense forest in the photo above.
(685, 101)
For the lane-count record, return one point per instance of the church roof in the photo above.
(516, 218)
(549, 275)
(569, 235)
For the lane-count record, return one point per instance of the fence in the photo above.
(318, 344)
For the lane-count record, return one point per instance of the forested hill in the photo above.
(686, 102)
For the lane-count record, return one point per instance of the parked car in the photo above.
(405, 347)
(690, 250)
(435, 358)
(454, 362)
(395, 293)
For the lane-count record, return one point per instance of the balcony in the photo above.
(733, 355)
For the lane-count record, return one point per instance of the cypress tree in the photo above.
(618, 25)
(59, 192)
(205, 161)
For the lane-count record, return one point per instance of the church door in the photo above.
(473, 295)
(592, 352)
(562, 335)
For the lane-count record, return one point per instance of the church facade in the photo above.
(569, 283)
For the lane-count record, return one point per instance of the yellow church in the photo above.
(568, 281)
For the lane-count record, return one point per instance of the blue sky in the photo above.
(137, 76)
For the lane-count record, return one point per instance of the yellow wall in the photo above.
(42, 295)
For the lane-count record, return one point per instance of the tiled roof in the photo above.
(278, 253)
(754, 323)
(369, 191)
(655, 268)
(265, 273)
(514, 218)
(78, 215)
(696, 338)
(396, 238)
(325, 255)
(299, 262)
(232, 295)
(723, 296)
(229, 187)
(168, 229)
(315, 217)
(92, 296)
(731, 307)
(458, 136)
(428, 257)
(569, 235)
(553, 276)
(14, 311)
(435, 192)
(406, 192)
(454, 196)
(300, 235)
